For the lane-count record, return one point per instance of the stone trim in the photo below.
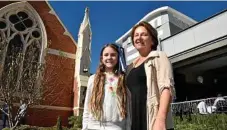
(61, 53)
(46, 107)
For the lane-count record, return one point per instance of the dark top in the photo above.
(136, 82)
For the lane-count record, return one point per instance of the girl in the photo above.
(107, 104)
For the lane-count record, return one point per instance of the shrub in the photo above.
(6, 128)
(26, 127)
(201, 122)
(75, 122)
(59, 125)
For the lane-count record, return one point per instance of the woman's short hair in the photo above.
(151, 30)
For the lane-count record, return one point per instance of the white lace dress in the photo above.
(111, 119)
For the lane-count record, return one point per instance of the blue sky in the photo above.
(110, 20)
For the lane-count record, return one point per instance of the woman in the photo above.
(106, 104)
(150, 81)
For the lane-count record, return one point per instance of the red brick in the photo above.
(63, 82)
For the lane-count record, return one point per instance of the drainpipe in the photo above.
(160, 44)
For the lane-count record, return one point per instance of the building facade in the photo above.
(35, 23)
(166, 20)
(198, 55)
(197, 51)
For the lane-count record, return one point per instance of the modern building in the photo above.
(197, 51)
(166, 20)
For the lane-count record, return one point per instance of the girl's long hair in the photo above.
(96, 101)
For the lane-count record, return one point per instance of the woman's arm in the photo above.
(165, 78)
(165, 100)
(166, 89)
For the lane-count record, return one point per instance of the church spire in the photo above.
(86, 21)
(83, 61)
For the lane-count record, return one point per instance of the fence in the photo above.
(203, 114)
(211, 105)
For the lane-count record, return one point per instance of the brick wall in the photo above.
(61, 82)
(54, 28)
(46, 117)
(58, 81)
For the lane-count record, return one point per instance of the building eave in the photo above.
(157, 12)
(66, 30)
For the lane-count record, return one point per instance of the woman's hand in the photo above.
(159, 124)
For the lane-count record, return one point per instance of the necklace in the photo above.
(111, 83)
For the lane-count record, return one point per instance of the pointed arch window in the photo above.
(22, 43)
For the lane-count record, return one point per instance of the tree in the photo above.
(20, 77)
(24, 79)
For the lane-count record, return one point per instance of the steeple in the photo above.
(83, 61)
(84, 45)
(86, 21)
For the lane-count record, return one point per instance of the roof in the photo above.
(157, 12)
(66, 30)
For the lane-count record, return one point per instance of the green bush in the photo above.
(6, 128)
(27, 127)
(51, 128)
(193, 122)
(201, 122)
(59, 125)
(75, 122)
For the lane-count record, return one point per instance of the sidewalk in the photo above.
(1, 123)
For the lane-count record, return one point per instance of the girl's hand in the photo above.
(159, 124)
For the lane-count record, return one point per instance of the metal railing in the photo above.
(191, 107)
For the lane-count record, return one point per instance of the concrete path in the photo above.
(1, 123)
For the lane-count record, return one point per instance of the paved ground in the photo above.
(1, 123)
